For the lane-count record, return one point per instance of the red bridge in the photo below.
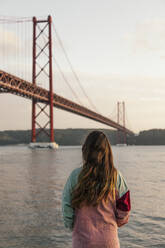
(20, 87)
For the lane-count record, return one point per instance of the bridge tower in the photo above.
(42, 68)
(121, 135)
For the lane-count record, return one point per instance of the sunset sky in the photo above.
(117, 49)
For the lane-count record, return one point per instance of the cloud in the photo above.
(148, 36)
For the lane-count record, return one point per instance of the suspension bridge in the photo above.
(43, 61)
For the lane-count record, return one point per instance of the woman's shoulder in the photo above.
(121, 184)
(76, 171)
(74, 175)
(119, 176)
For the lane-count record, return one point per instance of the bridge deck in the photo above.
(14, 85)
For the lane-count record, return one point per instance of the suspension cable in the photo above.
(73, 71)
(66, 81)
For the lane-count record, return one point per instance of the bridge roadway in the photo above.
(14, 85)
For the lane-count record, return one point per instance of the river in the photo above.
(31, 184)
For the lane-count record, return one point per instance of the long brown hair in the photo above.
(98, 176)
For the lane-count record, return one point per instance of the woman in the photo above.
(96, 199)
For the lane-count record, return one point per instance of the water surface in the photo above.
(31, 184)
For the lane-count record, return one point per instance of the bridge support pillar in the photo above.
(121, 135)
(42, 66)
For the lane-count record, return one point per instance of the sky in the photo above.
(117, 49)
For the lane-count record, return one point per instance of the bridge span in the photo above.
(17, 86)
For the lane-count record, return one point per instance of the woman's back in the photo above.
(96, 225)
(96, 198)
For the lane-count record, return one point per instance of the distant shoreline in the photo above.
(76, 137)
(27, 144)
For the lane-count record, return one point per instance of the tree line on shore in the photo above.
(73, 137)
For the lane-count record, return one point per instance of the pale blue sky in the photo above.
(118, 50)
